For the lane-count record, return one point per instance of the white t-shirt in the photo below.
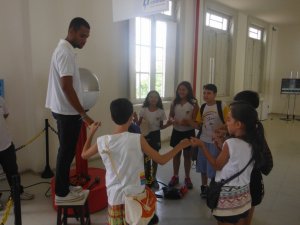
(211, 121)
(184, 111)
(128, 159)
(240, 152)
(63, 63)
(5, 138)
(153, 118)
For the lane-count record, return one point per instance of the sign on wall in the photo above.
(124, 10)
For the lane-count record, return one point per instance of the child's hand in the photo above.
(135, 117)
(94, 126)
(184, 143)
(197, 142)
(219, 137)
(171, 121)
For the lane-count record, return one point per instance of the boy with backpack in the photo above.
(212, 114)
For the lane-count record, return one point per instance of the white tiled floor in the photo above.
(280, 206)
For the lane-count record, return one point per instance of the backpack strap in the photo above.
(202, 109)
(220, 111)
(219, 108)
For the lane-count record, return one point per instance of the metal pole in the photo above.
(47, 171)
(294, 106)
(16, 198)
(288, 110)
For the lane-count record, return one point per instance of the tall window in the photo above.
(216, 63)
(216, 21)
(152, 55)
(254, 61)
(254, 33)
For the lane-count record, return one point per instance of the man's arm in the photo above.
(66, 83)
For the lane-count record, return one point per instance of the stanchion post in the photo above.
(47, 171)
(16, 198)
(288, 110)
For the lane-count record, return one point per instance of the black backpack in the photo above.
(219, 107)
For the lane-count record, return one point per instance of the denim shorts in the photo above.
(202, 165)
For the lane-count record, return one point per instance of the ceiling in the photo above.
(277, 12)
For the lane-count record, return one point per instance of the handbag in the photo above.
(214, 188)
(139, 208)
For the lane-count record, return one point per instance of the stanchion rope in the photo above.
(7, 211)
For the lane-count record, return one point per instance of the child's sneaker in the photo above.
(188, 183)
(174, 181)
(203, 191)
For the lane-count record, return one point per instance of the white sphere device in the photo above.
(90, 88)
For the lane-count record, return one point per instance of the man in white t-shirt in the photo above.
(64, 99)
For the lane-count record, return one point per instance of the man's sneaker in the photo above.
(154, 220)
(1, 206)
(188, 183)
(174, 181)
(203, 191)
(75, 188)
(70, 197)
(26, 196)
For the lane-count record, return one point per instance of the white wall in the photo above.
(15, 69)
(287, 60)
(30, 30)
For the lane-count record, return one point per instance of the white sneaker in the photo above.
(26, 196)
(75, 188)
(70, 197)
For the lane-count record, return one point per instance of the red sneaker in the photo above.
(174, 181)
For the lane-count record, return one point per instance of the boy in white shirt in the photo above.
(211, 115)
(126, 153)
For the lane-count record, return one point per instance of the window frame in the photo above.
(132, 53)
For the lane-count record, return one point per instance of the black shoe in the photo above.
(203, 191)
(154, 220)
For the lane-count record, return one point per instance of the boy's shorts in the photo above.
(116, 214)
(153, 139)
(202, 165)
